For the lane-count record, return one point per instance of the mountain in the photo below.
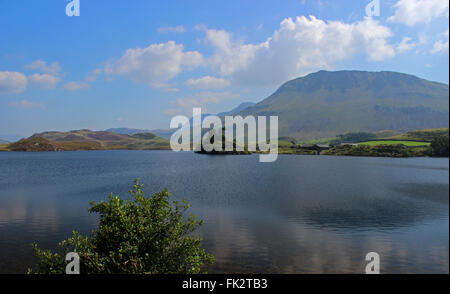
(3, 142)
(238, 109)
(10, 137)
(38, 144)
(325, 104)
(166, 134)
(105, 140)
(127, 131)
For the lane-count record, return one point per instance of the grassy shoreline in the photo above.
(412, 144)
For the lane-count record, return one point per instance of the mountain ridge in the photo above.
(325, 104)
(166, 134)
(107, 140)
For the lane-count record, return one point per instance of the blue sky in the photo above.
(137, 63)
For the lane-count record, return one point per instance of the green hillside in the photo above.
(84, 139)
(423, 135)
(391, 142)
(325, 104)
(37, 144)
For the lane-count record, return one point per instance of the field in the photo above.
(391, 142)
(422, 135)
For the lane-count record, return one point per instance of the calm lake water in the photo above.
(301, 214)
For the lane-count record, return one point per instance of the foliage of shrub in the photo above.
(439, 146)
(139, 236)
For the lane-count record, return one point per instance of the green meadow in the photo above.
(391, 142)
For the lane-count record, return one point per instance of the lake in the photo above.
(301, 214)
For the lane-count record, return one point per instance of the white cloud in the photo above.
(12, 82)
(413, 12)
(165, 87)
(441, 46)
(208, 82)
(202, 99)
(94, 75)
(155, 64)
(298, 47)
(75, 86)
(80, 85)
(177, 29)
(44, 80)
(170, 89)
(25, 104)
(406, 45)
(53, 68)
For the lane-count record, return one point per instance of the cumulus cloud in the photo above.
(441, 46)
(12, 82)
(54, 68)
(208, 82)
(177, 29)
(80, 85)
(94, 75)
(25, 104)
(75, 86)
(413, 12)
(298, 47)
(405, 45)
(44, 80)
(155, 64)
(202, 99)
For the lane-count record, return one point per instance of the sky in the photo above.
(138, 63)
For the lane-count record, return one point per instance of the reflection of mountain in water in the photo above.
(414, 203)
(300, 214)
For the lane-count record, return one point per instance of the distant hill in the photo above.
(325, 104)
(2, 142)
(167, 133)
(37, 144)
(238, 109)
(10, 137)
(127, 131)
(423, 135)
(106, 140)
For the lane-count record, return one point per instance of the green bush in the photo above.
(439, 147)
(139, 236)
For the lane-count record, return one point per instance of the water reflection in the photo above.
(258, 244)
(299, 215)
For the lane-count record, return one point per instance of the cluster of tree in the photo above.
(212, 137)
(439, 147)
(373, 151)
(139, 236)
